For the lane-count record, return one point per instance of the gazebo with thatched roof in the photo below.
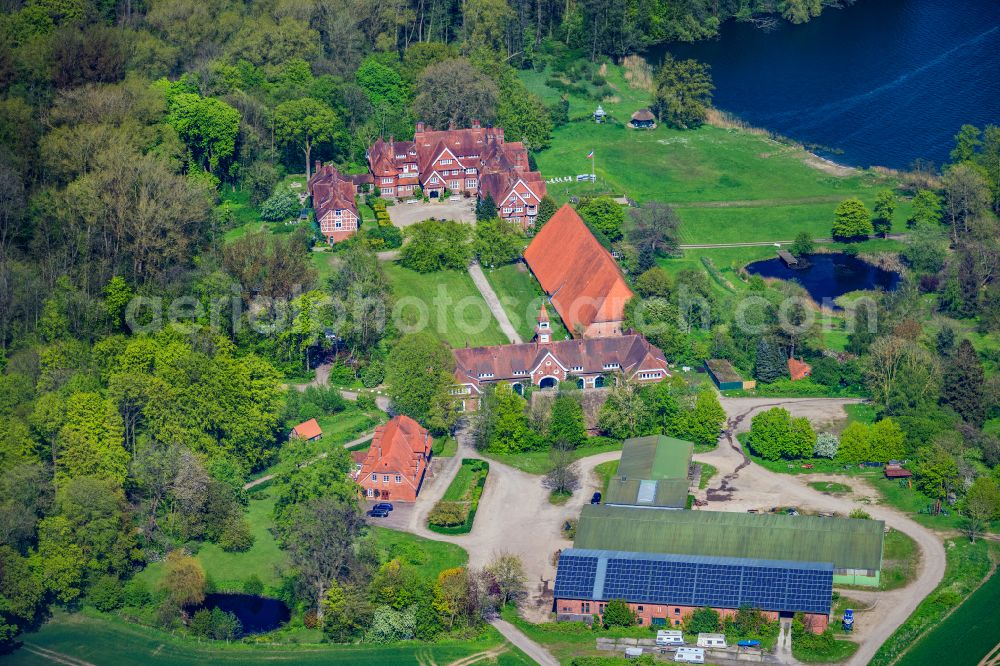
(643, 119)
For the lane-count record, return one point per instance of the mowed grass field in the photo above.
(965, 636)
(89, 639)
(727, 185)
(522, 297)
(445, 303)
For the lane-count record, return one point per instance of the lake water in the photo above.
(882, 82)
(257, 614)
(829, 275)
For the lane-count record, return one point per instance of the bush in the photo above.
(366, 403)
(136, 594)
(280, 206)
(236, 535)
(341, 374)
(826, 445)
(373, 374)
(107, 594)
(449, 514)
(702, 620)
(253, 585)
(618, 614)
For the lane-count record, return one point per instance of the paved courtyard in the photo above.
(460, 209)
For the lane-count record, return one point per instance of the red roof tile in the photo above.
(580, 276)
(397, 448)
(307, 430)
(331, 191)
(798, 369)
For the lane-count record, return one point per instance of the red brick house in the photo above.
(396, 462)
(333, 201)
(545, 363)
(580, 277)
(476, 161)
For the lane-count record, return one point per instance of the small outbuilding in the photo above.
(308, 431)
(599, 114)
(725, 376)
(798, 369)
(643, 119)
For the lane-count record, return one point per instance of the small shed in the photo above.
(308, 431)
(599, 114)
(798, 369)
(897, 472)
(724, 374)
(643, 119)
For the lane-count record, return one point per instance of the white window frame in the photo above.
(399, 478)
(443, 162)
(385, 478)
(374, 476)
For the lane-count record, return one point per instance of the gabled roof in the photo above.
(397, 448)
(798, 369)
(848, 543)
(500, 185)
(580, 276)
(583, 356)
(307, 429)
(331, 191)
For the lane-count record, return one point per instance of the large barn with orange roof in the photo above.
(396, 462)
(580, 277)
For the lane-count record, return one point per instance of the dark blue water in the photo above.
(829, 275)
(257, 614)
(882, 82)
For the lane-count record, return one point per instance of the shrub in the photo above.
(107, 594)
(618, 614)
(253, 585)
(373, 374)
(136, 594)
(702, 620)
(280, 206)
(449, 514)
(236, 535)
(341, 374)
(826, 445)
(366, 403)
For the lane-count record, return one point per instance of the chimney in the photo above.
(451, 124)
(319, 165)
(475, 123)
(420, 126)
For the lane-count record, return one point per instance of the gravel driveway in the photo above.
(461, 210)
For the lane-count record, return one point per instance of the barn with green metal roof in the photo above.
(653, 471)
(853, 546)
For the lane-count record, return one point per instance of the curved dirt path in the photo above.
(743, 485)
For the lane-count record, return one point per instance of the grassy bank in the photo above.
(973, 626)
(445, 303)
(521, 297)
(968, 564)
(100, 639)
(538, 462)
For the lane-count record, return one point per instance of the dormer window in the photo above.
(611, 366)
(485, 375)
(577, 368)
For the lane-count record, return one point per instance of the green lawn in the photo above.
(108, 641)
(900, 558)
(605, 472)
(973, 626)
(229, 570)
(429, 557)
(521, 297)
(537, 462)
(445, 303)
(444, 447)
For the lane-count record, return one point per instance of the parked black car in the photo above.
(378, 513)
(383, 505)
(596, 499)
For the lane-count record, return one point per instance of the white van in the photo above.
(711, 640)
(666, 637)
(689, 655)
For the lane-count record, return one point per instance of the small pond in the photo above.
(828, 276)
(257, 614)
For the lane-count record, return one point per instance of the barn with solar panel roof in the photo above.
(667, 562)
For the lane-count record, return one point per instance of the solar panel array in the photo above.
(694, 580)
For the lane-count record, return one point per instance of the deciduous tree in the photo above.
(683, 92)
(980, 505)
(184, 579)
(852, 220)
(304, 124)
(453, 91)
(885, 206)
